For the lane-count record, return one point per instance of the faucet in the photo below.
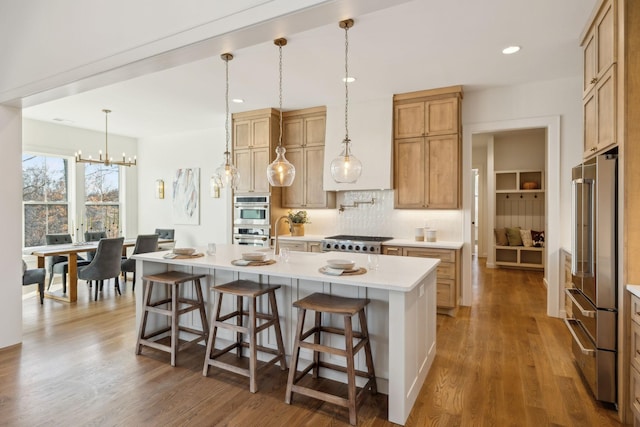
(275, 245)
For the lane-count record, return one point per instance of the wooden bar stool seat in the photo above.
(346, 307)
(250, 290)
(172, 306)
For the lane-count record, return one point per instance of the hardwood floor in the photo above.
(500, 362)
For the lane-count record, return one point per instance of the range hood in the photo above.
(371, 132)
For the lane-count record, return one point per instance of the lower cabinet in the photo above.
(448, 279)
(634, 360)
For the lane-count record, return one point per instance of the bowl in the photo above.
(344, 264)
(530, 185)
(254, 256)
(184, 251)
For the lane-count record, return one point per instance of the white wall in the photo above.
(48, 138)
(10, 215)
(162, 156)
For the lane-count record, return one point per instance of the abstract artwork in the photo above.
(186, 196)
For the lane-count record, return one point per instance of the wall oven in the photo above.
(251, 236)
(252, 209)
(593, 296)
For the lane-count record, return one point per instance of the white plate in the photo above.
(344, 264)
(184, 251)
(254, 256)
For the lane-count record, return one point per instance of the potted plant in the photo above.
(296, 221)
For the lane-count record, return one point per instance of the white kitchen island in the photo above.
(401, 317)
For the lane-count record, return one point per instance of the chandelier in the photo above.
(106, 160)
(226, 174)
(280, 172)
(346, 167)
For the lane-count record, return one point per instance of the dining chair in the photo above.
(93, 236)
(144, 243)
(59, 264)
(166, 233)
(105, 264)
(33, 276)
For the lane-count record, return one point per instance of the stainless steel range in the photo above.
(347, 243)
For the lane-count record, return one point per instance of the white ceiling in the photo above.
(415, 45)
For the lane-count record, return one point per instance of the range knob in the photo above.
(328, 245)
(372, 249)
(343, 247)
(350, 247)
(357, 248)
(336, 246)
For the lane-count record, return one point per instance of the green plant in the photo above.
(299, 217)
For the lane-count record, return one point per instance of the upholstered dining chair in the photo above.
(33, 276)
(144, 243)
(59, 264)
(93, 236)
(166, 233)
(105, 264)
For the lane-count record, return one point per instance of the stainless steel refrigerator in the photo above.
(593, 318)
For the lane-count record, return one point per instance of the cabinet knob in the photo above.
(594, 80)
(594, 148)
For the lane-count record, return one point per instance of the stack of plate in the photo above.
(254, 256)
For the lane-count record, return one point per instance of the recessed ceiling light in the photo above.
(511, 49)
(349, 79)
(237, 100)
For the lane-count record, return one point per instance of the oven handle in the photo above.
(250, 237)
(585, 313)
(585, 351)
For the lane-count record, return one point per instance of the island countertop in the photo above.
(393, 273)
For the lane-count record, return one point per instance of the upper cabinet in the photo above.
(255, 134)
(427, 144)
(600, 99)
(303, 136)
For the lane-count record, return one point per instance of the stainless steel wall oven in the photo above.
(252, 219)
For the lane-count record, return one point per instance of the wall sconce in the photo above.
(159, 189)
(214, 188)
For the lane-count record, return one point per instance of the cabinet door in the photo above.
(590, 124)
(241, 134)
(314, 247)
(315, 196)
(260, 132)
(314, 130)
(293, 246)
(392, 250)
(293, 196)
(606, 109)
(443, 179)
(409, 120)
(589, 63)
(293, 132)
(606, 39)
(242, 161)
(441, 117)
(409, 171)
(259, 163)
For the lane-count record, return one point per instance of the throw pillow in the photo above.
(538, 238)
(526, 238)
(513, 234)
(501, 237)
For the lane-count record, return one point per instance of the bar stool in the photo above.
(346, 307)
(175, 306)
(251, 290)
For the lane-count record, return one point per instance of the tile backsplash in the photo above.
(381, 219)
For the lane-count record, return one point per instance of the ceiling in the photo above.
(414, 45)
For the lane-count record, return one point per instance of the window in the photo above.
(102, 198)
(44, 197)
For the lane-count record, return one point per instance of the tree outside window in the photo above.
(102, 203)
(44, 197)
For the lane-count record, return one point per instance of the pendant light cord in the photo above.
(226, 117)
(346, 85)
(280, 86)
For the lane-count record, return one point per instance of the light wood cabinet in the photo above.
(427, 138)
(303, 137)
(255, 134)
(300, 246)
(634, 359)
(600, 81)
(448, 273)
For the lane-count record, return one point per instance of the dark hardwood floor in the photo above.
(500, 362)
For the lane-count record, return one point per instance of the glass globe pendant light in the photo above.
(280, 172)
(346, 168)
(227, 174)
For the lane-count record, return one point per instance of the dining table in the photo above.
(71, 251)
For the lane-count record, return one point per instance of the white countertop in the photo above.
(634, 289)
(393, 274)
(305, 238)
(422, 244)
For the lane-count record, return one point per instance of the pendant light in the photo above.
(346, 168)
(227, 174)
(107, 160)
(281, 172)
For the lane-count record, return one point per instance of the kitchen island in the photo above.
(401, 316)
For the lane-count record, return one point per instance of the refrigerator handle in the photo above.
(582, 213)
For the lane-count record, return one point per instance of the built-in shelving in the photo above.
(516, 181)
